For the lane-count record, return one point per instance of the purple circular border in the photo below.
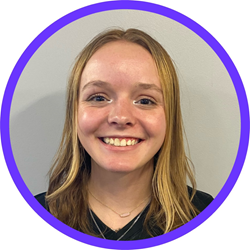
(116, 5)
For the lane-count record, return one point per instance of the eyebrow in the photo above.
(96, 83)
(100, 83)
(149, 86)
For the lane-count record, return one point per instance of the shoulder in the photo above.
(201, 199)
(41, 199)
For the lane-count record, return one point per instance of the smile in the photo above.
(120, 142)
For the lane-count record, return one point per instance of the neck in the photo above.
(119, 189)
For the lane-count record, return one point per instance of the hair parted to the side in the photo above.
(171, 204)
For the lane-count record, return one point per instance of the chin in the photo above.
(123, 166)
(120, 168)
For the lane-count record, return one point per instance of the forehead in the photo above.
(121, 49)
(123, 61)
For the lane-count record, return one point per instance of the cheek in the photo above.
(89, 121)
(156, 125)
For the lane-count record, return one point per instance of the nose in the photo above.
(121, 114)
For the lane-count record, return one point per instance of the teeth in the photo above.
(123, 142)
(106, 139)
(117, 142)
(120, 143)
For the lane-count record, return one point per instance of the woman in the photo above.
(120, 171)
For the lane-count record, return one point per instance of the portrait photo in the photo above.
(125, 125)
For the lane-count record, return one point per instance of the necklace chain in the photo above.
(137, 218)
(122, 215)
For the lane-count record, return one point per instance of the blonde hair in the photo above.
(171, 205)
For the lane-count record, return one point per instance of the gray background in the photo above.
(209, 103)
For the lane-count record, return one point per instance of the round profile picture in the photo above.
(116, 120)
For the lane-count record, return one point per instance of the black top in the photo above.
(134, 230)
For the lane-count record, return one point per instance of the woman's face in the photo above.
(121, 118)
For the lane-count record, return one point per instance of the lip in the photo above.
(121, 136)
(125, 148)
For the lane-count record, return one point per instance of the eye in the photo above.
(98, 98)
(145, 101)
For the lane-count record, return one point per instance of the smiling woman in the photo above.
(117, 106)
(121, 169)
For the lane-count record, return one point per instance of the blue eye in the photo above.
(145, 101)
(98, 98)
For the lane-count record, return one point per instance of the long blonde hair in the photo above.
(171, 205)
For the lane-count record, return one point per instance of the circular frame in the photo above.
(132, 5)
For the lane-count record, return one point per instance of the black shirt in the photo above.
(134, 229)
